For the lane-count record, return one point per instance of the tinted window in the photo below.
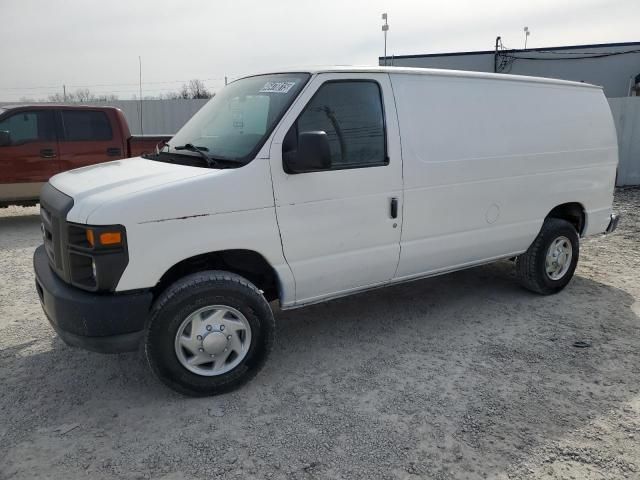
(30, 126)
(351, 115)
(86, 125)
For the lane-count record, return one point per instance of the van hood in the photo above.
(133, 173)
(137, 191)
(104, 182)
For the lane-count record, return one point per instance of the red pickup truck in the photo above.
(38, 141)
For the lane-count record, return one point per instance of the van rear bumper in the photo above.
(613, 223)
(100, 322)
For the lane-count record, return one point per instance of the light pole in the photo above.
(385, 29)
(140, 78)
(526, 36)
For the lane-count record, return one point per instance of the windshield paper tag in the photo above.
(277, 87)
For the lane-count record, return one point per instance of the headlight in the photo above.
(97, 255)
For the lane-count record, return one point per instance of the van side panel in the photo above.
(485, 161)
(217, 210)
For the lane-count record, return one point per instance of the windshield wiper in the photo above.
(201, 150)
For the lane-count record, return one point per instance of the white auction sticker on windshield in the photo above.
(277, 87)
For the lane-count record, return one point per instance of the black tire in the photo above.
(531, 265)
(185, 297)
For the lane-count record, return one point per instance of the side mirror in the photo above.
(5, 138)
(313, 153)
(159, 146)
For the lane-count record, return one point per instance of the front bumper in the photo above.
(613, 223)
(101, 322)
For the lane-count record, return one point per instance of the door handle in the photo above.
(114, 152)
(394, 207)
(47, 153)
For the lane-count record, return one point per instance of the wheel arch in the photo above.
(247, 263)
(572, 212)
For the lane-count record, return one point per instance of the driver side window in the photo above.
(350, 113)
(29, 126)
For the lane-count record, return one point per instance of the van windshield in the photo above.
(234, 124)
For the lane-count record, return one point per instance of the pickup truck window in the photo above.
(29, 126)
(86, 126)
(351, 114)
(235, 123)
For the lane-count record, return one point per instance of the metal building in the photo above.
(615, 66)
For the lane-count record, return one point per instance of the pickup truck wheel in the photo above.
(549, 263)
(209, 333)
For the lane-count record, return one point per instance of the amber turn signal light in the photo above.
(104, 238)
(110, 238)
(90, 238)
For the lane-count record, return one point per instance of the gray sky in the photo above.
(96, 43)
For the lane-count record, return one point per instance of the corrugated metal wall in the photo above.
(160, 117)
(615, 73)
(626, 114)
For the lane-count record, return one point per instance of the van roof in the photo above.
(434, 72)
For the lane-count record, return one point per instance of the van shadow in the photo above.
(468, 368)
(442, 374)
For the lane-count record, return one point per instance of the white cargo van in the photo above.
(308, 185)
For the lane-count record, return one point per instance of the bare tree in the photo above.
(82, 95)
(168, 96)
(197, 89)
(194, 89)
(104, 98)
(59, 98)
(184, 92)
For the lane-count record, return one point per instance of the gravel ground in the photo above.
(461, 376)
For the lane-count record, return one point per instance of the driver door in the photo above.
(31, 157)
(340, 226)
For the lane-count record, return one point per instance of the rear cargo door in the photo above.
(88, 138)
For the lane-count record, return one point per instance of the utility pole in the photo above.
(225, 80)
(64, 93)
(526, 36)
(385, 29)
(495, 55)
(140, 65)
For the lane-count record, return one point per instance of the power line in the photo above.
(106, 92)
(57, 87)
(556, 52)
(585, 55)
(132, 91)
(505, 57)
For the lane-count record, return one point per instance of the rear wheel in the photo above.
(549, 263)
(209, 333)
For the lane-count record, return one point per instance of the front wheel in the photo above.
(549, 263)
(209, 333)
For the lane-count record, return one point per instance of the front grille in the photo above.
(54, 207)
(49, 225)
